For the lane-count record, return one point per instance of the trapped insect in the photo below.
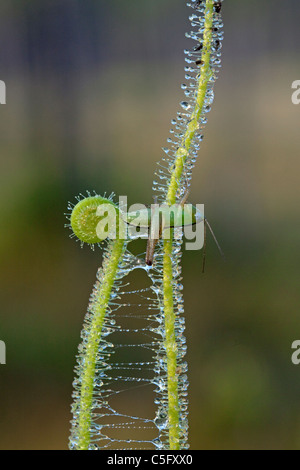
(160, 218)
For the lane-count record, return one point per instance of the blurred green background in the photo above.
(91, 89)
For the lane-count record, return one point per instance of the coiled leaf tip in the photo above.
(85, 218)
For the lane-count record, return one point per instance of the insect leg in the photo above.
(151, 244)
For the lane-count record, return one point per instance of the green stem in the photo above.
(171, 348)
(180, 158)
(110, 269)
(205, 74)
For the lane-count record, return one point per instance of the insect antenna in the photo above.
(185, 198)
(214, 237)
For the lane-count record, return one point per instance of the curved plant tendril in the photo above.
(84, 222)
(177, 170)
(171, 347)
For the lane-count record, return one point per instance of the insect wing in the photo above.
(140, 217)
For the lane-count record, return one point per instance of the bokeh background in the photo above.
(91, 89)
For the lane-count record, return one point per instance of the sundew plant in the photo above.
(133, 336)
